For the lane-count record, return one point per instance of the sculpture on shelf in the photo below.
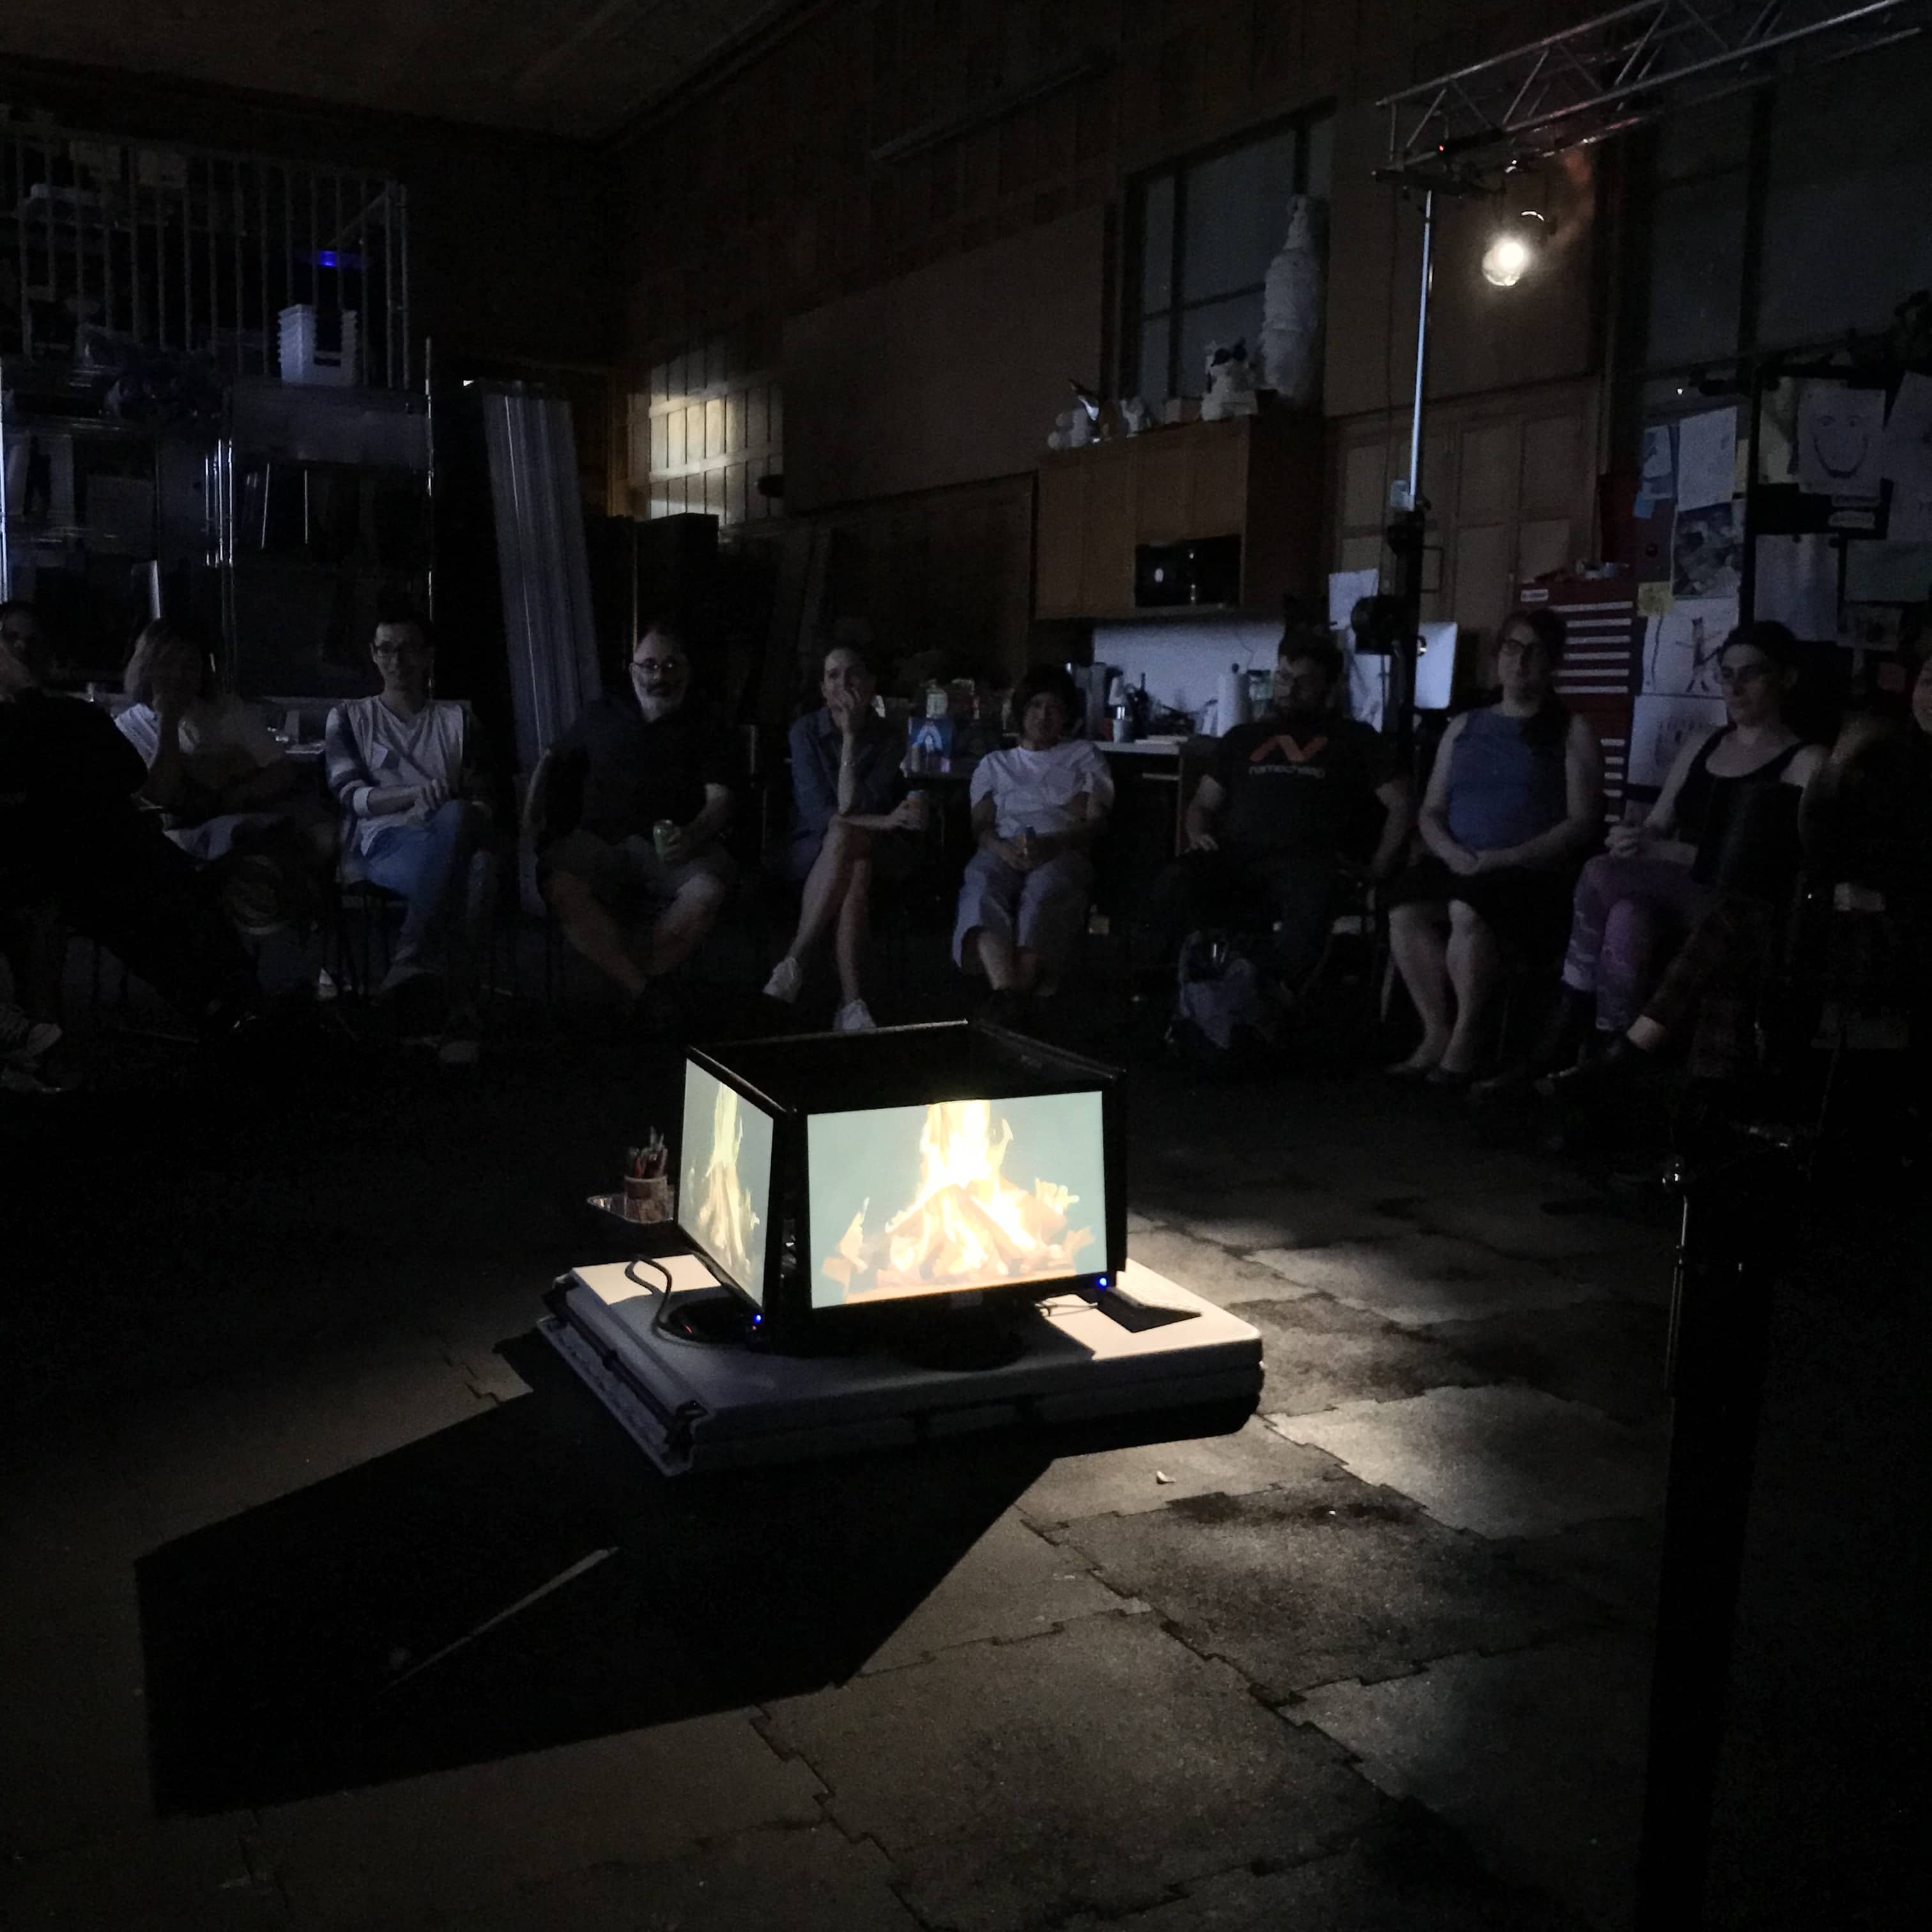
(1231, 383)
(1292, 300)
(1134, 416)
(1074, 428)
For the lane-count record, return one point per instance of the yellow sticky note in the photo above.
(1653, 600)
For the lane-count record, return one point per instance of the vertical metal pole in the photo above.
(262, 310)
(20, 234)
(6, 573)
(402, 210)
(134, 242)
(110, 193)
(1735, 1217)
(80, 251)
(237, 201)
(1421, 349)
(188, 255)
(429, 478)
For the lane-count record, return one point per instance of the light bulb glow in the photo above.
(1504, 260)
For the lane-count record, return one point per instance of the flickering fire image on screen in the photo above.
(724, 1202)
(957, 1195)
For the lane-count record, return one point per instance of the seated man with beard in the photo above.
(1294, 797)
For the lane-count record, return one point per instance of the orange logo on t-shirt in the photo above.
(1292, 749)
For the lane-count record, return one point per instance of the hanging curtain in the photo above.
(541, 558)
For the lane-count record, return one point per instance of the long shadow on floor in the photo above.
(357, 1632)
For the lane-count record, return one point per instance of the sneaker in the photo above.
(22, 1040)
(787, 977)
(855, 1016)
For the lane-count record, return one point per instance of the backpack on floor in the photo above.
(1222, 1001)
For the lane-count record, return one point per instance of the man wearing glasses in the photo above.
(405, 767)
(628, 808)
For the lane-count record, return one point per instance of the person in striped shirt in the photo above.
(405, 768)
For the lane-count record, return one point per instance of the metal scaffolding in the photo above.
(109, 245)
(1617, 71)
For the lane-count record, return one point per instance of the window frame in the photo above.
(1135, 318)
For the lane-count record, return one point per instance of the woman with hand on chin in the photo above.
(1514, 801)
(845, 764)
(1037, 809)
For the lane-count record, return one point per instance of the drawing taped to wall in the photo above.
(1707, 551)
(1840, 440)
(1680, 647)
(1659, 727)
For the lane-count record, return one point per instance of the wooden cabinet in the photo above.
(1258, 478)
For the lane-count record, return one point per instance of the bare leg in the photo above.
(589, 927)
(855, 920)
(827, 886)
(1475, 966)
(1027, 964)
(1646, 1034)
(1421, 958)
(685, 922)
(997, 958)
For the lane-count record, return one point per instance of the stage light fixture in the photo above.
(1514, 249)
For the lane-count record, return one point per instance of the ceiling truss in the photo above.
(1625, 68)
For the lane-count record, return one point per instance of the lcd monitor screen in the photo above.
(955, 1196)
(725, 1201)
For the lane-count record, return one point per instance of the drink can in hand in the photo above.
(662, 833)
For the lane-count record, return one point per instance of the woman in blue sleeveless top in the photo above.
(1515, 800)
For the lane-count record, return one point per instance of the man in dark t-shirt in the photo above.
(628, 807)
(1293, 798)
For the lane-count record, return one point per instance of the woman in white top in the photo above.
(215, 770)
(403, 767)
(1037, 809)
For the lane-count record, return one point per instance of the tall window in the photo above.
(1785, 220)
(1204, 232)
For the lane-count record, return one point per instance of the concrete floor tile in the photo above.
(1011, 1583)
(1252, 1218)
(1630, 1274)
(1502, 1462)
(1537, 1757)
(192, 1874)
(456, 1840)
(74, 1743)
(1413, 1875)
(1323, 1579)
(815, 1880)
(1523, 1225)
(1125, 1480)
(1423, 1279)
(1208, 1269)
(1321, 1353)
(1610, 1355)
(1616, 1560)
(1093, 1768)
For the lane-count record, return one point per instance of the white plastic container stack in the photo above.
(311, 350)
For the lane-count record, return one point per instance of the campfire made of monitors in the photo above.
(837, 1182)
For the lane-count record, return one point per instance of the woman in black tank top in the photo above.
(1725, 822)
